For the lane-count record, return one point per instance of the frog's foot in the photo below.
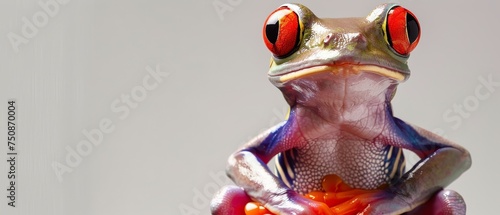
(297, 205)
(230, 200)
(445, 202)
(337, 198)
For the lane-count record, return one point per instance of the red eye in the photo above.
(402, 30)
(282, 32)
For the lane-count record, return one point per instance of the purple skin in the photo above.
(341, 122)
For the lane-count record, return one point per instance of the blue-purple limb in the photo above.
(421, 187)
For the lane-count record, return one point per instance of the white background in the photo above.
(159, 157)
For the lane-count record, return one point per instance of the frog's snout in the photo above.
(360, 41)
(356, 40)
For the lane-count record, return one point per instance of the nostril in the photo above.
(327, 39)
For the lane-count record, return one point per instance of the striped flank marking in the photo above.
(285, 166)
(394, 163)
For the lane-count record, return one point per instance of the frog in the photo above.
(338, 76)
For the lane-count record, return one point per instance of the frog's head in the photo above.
(309, 52)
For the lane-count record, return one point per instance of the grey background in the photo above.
(159, 159)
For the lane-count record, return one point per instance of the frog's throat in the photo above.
(356, 68)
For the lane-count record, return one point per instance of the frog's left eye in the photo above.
(402, 31)
(282, 32)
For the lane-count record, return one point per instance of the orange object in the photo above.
(255, 208)
(316, 196)
(333, 183)
(340, 197)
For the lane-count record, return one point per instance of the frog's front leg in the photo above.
(442, 203)
(441, 162)
(247, 168)
(229, 200)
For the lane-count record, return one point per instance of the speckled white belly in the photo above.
(360, 163)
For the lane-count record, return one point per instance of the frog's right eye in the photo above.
(282, 32)
(402, 31)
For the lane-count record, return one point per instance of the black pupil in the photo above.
(412, 28)
(272, 29)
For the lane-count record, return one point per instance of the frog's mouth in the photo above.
(339, 69)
